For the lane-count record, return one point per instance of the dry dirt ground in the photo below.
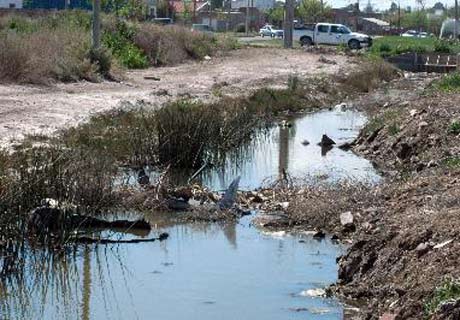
(42, 110)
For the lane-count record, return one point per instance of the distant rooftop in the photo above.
(377, 22)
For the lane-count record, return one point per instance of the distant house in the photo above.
(360, 21)
(259, 4)
(11, 4)
(180, 6)
(373, 25)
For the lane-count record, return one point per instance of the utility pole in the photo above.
(288, 23)
(229, 14)
(456, 21)
(210, 14)
(399, 16)
(246, 25)
(96, 24)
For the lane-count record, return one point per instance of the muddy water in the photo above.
(205, 271)
(283, 149)
(201, 272)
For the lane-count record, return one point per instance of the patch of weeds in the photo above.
(454, 127)
(442, 46)
(394, 129)
(217, 92)
(388, 118)
(449, 290)
(452, 162)
(370, 74)
(293, 82)
(374, 124)
(343, 48)
(449, 83)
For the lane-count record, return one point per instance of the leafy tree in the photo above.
(421, 3)
(275, 16)
(313, 11)
(394, 7)
(133, 9)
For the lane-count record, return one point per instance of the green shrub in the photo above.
(449, 290)
(454, 127)
(452, 162)
(101, 58)
(442, 46)
(384, 47)
(449, 83)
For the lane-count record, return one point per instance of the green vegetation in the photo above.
(394, 45)
(448, 291)
(57, 47)
(454, 127)
(452, 162)
(79, 167)
(449, 83)
(313, 11)
(186, 133)
(388, 119)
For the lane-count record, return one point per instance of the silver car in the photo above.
(269, 31)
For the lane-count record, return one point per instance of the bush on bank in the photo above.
(57, 47)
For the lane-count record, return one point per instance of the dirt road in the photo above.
(43, 110)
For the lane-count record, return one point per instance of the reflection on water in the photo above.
(202, 271)
(282, 150)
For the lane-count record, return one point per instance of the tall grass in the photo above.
(41, 50)
(448, 83)
(394, 45)
(57, 47)
(369, 75)
(43, 56)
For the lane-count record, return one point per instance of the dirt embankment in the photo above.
(405, 232)
(43, 110)
(412, 237)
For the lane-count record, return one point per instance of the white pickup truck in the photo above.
(332, 34)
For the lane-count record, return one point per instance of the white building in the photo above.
(259, 4)
(11, 4)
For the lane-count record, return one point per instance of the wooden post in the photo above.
(458, 62)
(288, 23)
(456, 21)
(96, 24)
(229, 14)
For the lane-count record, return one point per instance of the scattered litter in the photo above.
(443, 244)
(318, 292)
(152, 78)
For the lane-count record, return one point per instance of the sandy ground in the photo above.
(43, 110)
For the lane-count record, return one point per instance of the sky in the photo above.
(385, 4)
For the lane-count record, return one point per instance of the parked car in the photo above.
(198, 27)
(410, 34)
(162, 21)
(332, 34)
(269, 31)
(423, 35)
